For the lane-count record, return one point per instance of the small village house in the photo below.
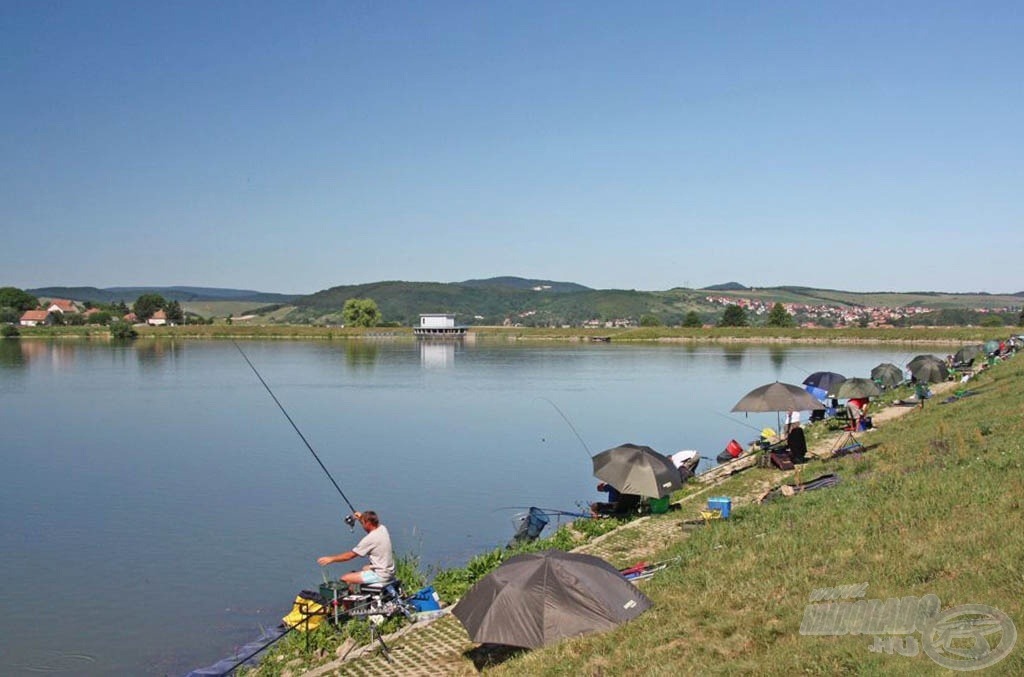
(34, 318)
(61, 306)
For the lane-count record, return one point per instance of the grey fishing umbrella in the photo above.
(968, 352)
(536, 599)
(887, 374)
(991, 346)
(929, 372)
(778, 397)
(826, 380)
(920, 359)
(856, 388)
(635, 469)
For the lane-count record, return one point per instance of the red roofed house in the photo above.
(61, 306)
(32, 318)
(158, 318)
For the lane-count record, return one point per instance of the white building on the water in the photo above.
(438, 325)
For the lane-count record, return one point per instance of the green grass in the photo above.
(933, 508)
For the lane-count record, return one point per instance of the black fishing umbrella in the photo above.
(887, 374)
(968, 352)
(825, 380)
(635, 469)
(778, 397)
(929, 371)
(920, 359)
(536, 599)
(856, 388)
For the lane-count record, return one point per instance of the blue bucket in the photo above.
(721, 503)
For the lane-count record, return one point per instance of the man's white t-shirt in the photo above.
(376, 545)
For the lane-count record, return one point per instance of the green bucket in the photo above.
(659, 505)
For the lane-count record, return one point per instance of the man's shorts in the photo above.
(371, 576)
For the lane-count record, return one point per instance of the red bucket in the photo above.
(734, 448)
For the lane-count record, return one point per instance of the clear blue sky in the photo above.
(296, 146)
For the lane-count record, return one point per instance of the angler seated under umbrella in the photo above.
(617, 505)
(632, 472)
(796, 445)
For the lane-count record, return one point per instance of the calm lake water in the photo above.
(158, 508)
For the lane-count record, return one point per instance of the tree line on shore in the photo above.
(363, 311)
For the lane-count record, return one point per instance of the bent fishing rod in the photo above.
(571, 426)
(349, 519)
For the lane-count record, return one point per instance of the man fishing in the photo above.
(375, 546)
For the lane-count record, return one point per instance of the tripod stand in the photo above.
(846, 444)
(376, 636)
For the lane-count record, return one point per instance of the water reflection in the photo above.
(151, 354)
(58, 354)
(12, 354)
(361, 353)
(437, 354)
(734, 356)
(777, 355)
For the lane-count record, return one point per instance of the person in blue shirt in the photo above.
(617, 504)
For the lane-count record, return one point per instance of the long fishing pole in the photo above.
(565, 418)
(737, 421)
(546, 511)
(301, 436)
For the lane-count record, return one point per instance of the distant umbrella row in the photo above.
(536, 599)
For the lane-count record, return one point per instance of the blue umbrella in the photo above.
(825, 380)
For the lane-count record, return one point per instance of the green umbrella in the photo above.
(968, 353)
(991, 346)
(856, 388)
(887, 375)
(930, 372)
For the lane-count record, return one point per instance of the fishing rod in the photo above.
(590, 456)
(349, 519)
(752, 427)
(546, 511)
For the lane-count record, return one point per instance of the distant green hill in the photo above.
(542, 302)
(525, 284)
